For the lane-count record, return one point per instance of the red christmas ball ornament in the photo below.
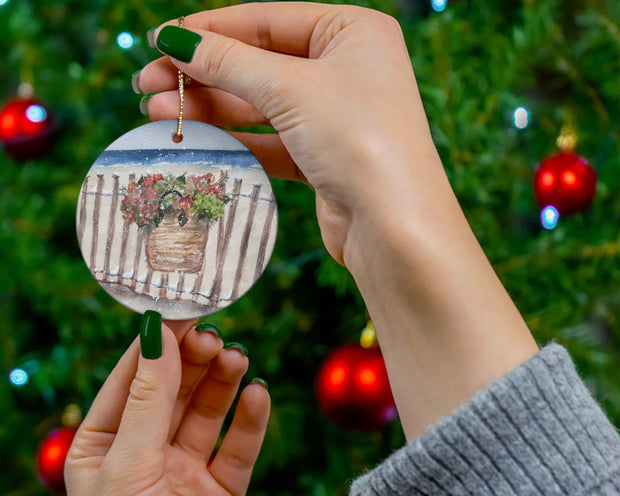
(353, 389)
(26, 128)
(565, 181)
(51, 457)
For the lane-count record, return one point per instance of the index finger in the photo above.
(285, 27)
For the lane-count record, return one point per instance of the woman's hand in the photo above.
(155, 423)
(340, 104)
(336, 82)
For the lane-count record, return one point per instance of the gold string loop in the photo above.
(184, 80)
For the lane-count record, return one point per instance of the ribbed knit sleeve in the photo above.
(535, 431)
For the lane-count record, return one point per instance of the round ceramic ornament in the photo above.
(183, 228)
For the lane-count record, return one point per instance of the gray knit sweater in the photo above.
(535, 431)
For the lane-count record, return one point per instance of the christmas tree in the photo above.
(556, 61)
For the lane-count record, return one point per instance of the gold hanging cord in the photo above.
(184, 80)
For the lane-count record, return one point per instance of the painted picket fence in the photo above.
(237, 245)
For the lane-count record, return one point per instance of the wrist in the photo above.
(400, 201)
(446, 325)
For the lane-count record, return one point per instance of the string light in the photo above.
(18, 377)
(124, 40)
(549, 217)
(521, 117)
(439, 5)
(36, 113)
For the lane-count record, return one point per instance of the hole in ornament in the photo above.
(177, 138)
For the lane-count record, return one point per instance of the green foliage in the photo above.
(209, 207)
(475, 63)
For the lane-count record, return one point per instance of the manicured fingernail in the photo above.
(262, 382)
(236, 346)
(209, 328)
(135, 83)
(150, 335)
(150, 37)
(143, 103)
(177, 42)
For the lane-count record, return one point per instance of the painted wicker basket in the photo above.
(171, 247)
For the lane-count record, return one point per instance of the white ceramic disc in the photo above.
(181, 228)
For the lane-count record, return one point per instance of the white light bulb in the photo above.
(521, 117)
(124, 40)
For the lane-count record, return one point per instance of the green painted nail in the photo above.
(177, 42)
(262, 382)
(135, 83)
(143, 103)
(236, 346)
(209, 328)
(150, 37)
(150, 335)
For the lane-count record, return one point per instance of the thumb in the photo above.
(148, 412)
(246, 71)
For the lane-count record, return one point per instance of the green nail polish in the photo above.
(177, 42)
(236, 346)
(135, 83)
(262, 382)
(150, 335)
(150, 37)
(209, 328)
(143, 103)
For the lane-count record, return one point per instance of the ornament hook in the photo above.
(368, 339)
(567, 140)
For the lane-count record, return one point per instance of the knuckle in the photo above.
(386, 21)
(185, 391)
(237, 462)
(143, 390)
(207, 410)
(216, 63)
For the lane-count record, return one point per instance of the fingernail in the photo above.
(177, 42)
(236, 346)
(150, 335)
(150, 37)
(262, 382)
(143, 103)
(209, 328)
(135, 83)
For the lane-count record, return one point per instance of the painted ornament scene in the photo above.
(182, 231)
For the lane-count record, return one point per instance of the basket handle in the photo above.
(182, 218)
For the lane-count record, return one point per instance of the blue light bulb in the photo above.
(18, 377)
(439, 5)
(36, 113)
(549, 217)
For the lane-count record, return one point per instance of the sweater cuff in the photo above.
(537, 430)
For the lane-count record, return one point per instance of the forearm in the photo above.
(446, 325)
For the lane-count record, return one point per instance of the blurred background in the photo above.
(499, 80)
